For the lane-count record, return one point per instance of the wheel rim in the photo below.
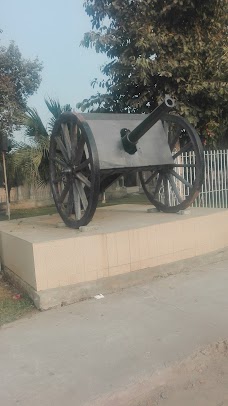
(171, 188)
(74, 170)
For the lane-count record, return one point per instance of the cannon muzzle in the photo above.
(130, 139)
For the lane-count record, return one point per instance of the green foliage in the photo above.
(19, 79)
(158, 47)
(34, 126)
(31, 159)
(55, 109)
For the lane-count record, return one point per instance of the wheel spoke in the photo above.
(151, 177)
(58, 179)
(64, 192)
(83, 165)
(82, 194)
(166, 190)
(67, 139)
(74, 140)
(70, 202)
(60, 162)
(181, 178)
(83, 179)
(80, 150)
(157, 188)
(62, 148)
(77, 203)
(173, 141)
(176, 191)
(185, 148)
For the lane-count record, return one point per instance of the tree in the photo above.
(19, 79)
(31, 159)
(158, 47)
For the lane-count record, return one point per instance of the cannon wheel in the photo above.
(74, 170)
(171, 188)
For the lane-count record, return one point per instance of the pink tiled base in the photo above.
(120, 240)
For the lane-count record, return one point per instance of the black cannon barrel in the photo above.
(130, 139)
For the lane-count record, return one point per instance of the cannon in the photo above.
(90, 151)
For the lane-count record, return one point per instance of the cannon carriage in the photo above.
(88, 152)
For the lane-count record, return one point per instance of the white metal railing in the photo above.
(214, 192)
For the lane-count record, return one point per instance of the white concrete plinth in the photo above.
(61, 265)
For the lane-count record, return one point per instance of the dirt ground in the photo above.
(200, 380)
(13, 304)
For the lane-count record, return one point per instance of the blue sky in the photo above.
(52, 30)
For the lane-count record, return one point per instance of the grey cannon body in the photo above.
(88, 152)
(131, 140)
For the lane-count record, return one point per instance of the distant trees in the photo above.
(19, 79)
(158, 47)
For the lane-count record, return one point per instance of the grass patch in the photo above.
(31, 212)
(11, 307)
(41, 211)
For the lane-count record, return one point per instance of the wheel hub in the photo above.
(66, 171)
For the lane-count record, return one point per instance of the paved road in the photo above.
(84, 353)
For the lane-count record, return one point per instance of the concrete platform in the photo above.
(122, 246)
(113, 352)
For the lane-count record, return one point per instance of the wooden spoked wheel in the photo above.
(74, 170)
(171, 188)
